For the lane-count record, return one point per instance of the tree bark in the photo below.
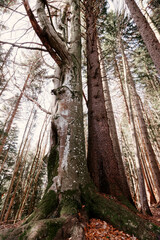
(102, 164)
(149, 20)
(144, 134)
(142, 201)
(146, 32)
(112, 125)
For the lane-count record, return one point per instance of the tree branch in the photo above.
(34, 101)
(41, 33)
(54, 39)
(20, 46)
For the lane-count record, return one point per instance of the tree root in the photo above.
(71, 225)
(58, 229)
(119, 216)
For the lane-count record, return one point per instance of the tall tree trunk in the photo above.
(117, 73)
(146, 32)
(102, 162)
(112, 125)
(16, 168)
(142, 203)
(149, 20)
(150, 152)
(13, 115)
(59, 214)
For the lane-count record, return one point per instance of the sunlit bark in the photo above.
(146, 32)
(142, 203)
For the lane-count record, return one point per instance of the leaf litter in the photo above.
(98, 229)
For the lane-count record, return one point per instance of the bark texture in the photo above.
(102, 163)
(151, 157)
(112, 126)
(146, 32)
(142, 203)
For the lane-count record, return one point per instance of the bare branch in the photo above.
(41, 34)
(34, 101)
(20, 46)
(54, 39)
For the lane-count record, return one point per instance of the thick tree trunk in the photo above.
(102, 163)
(146, 32)
(112, 125)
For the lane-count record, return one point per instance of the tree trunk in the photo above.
(13, 115)
(146, 32)
(149, 20)
(16, 168)
(149, 150)
(112, 126)
(142, 203)
(102, 163)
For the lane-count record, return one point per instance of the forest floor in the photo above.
(97, 229)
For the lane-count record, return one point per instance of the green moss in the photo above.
(2, 237)
(23, 236)
(42, 229)
(119, 216)
(52, 228)
(70, 202)
(48, 203)
(47, 206)
(126, 202)
(52, 167)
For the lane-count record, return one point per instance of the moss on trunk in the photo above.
(46, 207)
(121, 217)
(70, 203)
(71, 225)
(52, 165)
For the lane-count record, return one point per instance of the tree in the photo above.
(146, 32)
(149, 20)
(144, 207)
(102, 163)
(60, 213)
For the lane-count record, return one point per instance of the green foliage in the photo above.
(9, 155)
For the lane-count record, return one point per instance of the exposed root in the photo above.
(71, 225)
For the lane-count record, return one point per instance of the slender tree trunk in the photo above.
(117, 72)
(16, 187)
(146, 32)
(146, 169)
(143, 203)
(16, 168)
(150, 152)
(13, 115)
(149, 20)
(131, 169)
